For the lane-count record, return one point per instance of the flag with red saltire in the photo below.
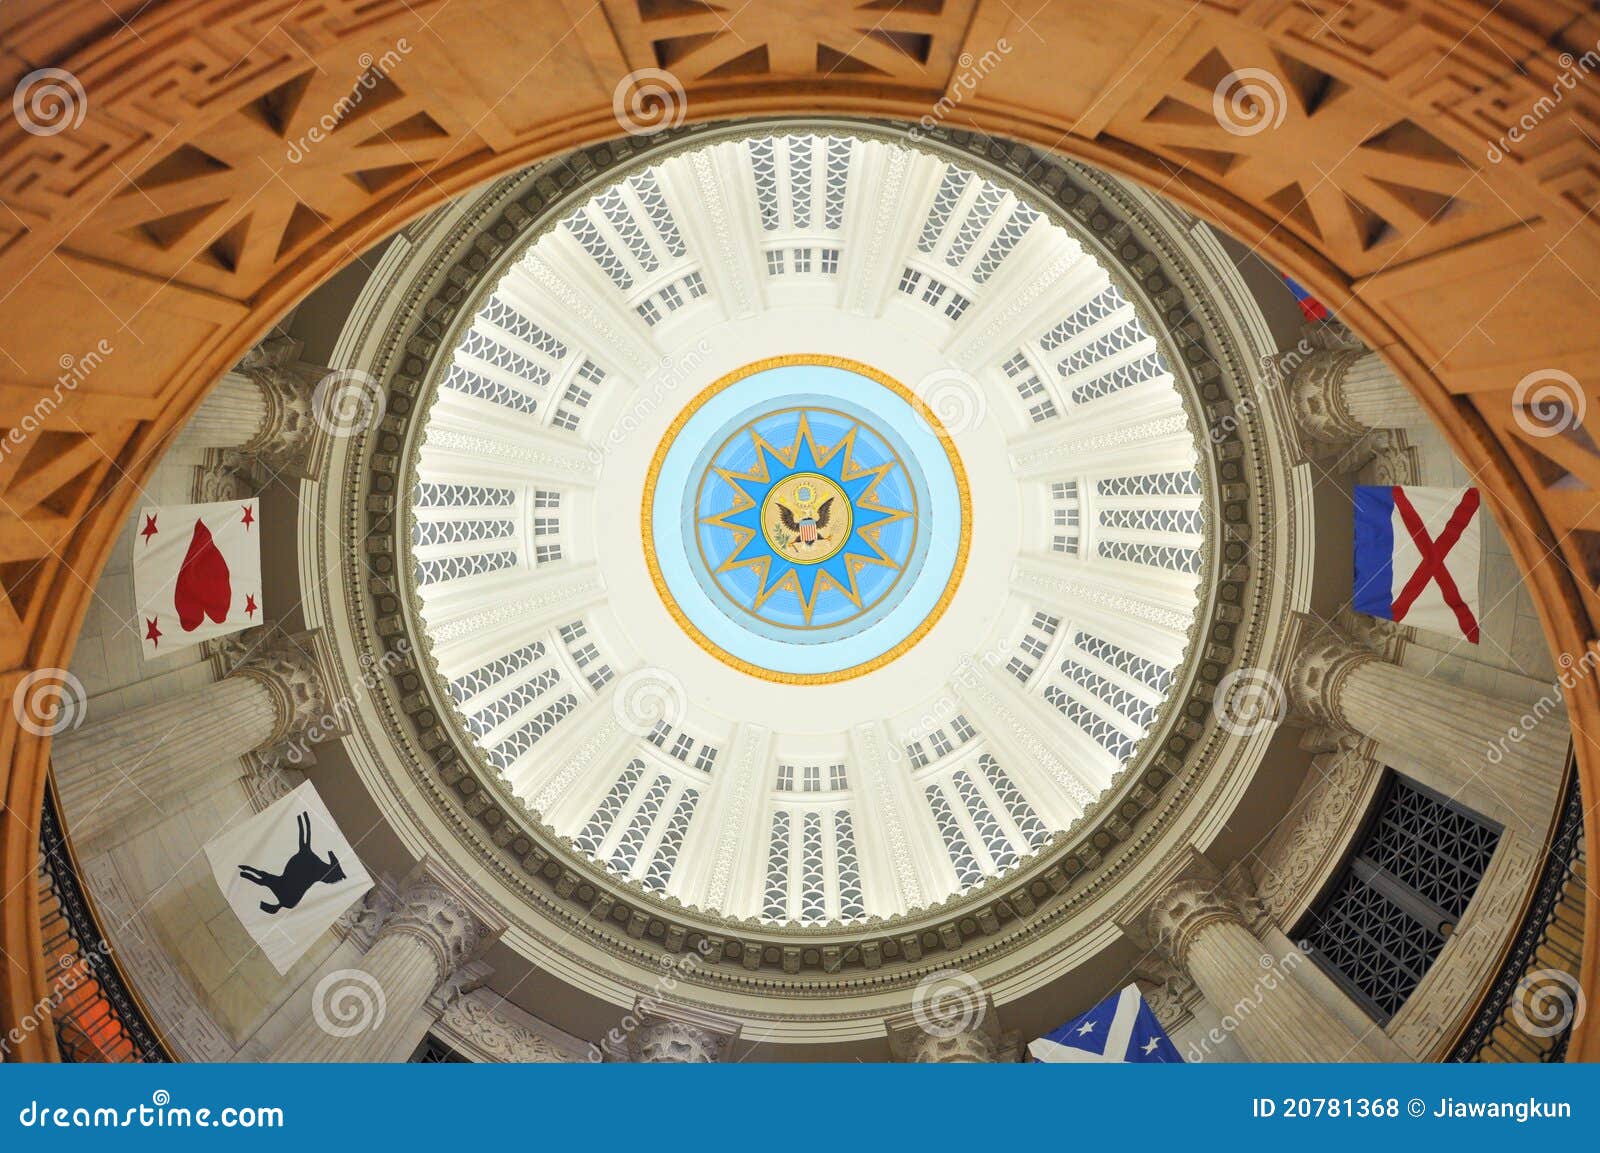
(196, 573)
(1417, 556)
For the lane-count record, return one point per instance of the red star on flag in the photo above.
(249, 517)
(151, 633)
(149, 530)
(250, 605)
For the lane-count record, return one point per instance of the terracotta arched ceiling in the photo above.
(195, 167)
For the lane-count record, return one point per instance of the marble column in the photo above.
(1494, 756)
(1202, 932)
(262, 408)
(369, 1012)
(1339, 395)
(118, 775)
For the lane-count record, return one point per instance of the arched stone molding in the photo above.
(1474, 369)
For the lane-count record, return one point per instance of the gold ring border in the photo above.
(824, 361)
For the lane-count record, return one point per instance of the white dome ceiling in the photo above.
(865, 791)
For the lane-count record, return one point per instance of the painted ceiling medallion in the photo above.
(806, 519)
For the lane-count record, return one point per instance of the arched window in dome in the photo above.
(512, 748)
(451, 568)
(1103, 732)
(619, 214)
(494, 713)
(1139, 711)
(497, 671)
(475, 384)
(851, 904)
(813, 890)
(593, 242)
(968, 871)
(995, 841)
(504, 315)
(624, 856)
(665, 857)
(775, 902)
(1185, 560)
(1022, 815)
(648, 190)
(594, 833)
(1141, 669)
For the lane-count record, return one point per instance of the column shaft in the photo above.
(375, 1021)
(1377, 398)
(1457, 741)
(232, 415)
(1280, 1023)
(110, 772)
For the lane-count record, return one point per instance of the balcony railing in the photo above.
(94, 1013)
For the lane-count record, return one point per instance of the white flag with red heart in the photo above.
(196, 573)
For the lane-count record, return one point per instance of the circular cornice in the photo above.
(1187, 759)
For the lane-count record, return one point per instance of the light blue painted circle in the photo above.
(919, 480)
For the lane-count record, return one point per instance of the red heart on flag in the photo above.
(203, 589)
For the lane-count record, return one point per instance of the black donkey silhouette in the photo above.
(300, 872)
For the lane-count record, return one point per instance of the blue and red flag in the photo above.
(1417, 555)
(1310, 307)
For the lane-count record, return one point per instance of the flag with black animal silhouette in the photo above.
(288, 873)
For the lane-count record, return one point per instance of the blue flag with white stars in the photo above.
(1119, 1030)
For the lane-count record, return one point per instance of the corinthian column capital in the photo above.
(1318, 673)
(293, 668)
(287, 383)
(431, 909)
(1315, 383)
(1184, 909)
